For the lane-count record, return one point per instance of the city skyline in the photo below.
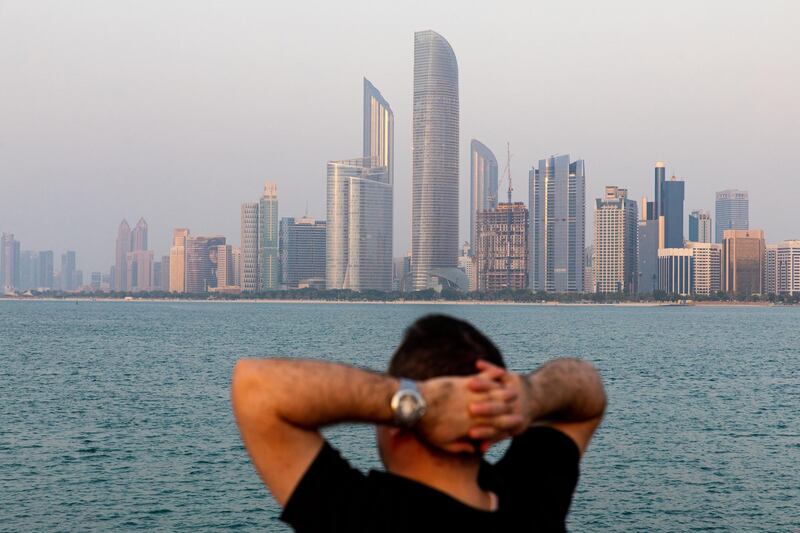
(100, 139)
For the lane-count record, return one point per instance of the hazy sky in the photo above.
(179, 110)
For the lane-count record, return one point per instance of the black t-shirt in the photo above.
(534, 482)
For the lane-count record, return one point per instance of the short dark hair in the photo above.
(440, 345)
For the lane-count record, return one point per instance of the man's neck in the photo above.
(455, 477)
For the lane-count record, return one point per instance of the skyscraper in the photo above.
(557, 202)
(177, 260)
(502, 242)
(268, 260)
(139, 236)
(700, 226)
(676, 271)
(359, 226)
(45, 269)
(68, 280)
(615, 242)
(9, 262)
(140, 270)
(732, 212)
(660, 178)
(378, 130)
(672, 194)
(28, 270)
(483, 186)
(165, 273)
(225, 275)
(787, 268)
(302, 251)
(249, 247)
(121, 263)
(435, 143)
(201, 262)
(743, 262)
(707, 260)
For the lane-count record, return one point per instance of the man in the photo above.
(444, 400)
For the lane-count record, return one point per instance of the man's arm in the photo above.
(280, 404)
(566, 394)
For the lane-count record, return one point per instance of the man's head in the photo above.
(433, 346)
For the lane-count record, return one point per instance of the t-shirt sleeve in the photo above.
(538, 475)
(327, 496)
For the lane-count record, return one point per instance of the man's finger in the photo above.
(492, 372)
(480, 384)
(490, 408)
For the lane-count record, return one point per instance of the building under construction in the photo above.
(502, 247)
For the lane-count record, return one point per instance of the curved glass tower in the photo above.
(434, 210)
(483, 186)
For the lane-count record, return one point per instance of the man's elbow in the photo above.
(249, 391)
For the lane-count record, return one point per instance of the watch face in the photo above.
(407, 406)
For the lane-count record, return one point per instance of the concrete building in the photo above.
(268, 260)
(707, 267)
(121, 257)
(435, 158)
(483, 186)
(140, 270)
(676, 271)
(45, 269)
(28, 270)
(69, 281)
(700, 226)
(302, 251)
(401, 273)
(468, 264)
(502, 243)
(177, 260)
(615, 242)
(743, 262)
(249, 246)
(782, 268)
(139, 236)
(225, 268)
(9, 263)
(236, 256)
(359, 226)
(557, 203)
(588, 269)
(201, 262)
(732, 212)
(165, 273)
(96, 280)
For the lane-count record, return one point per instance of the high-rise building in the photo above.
(483, 186)
(676, 271)
(45, 269)
(502, 247)
(225, 270)
(28, 270)
(615, 242)
(201, 262)
(647, 257)
(672, 195)
(140, 270)
(700, 226)
(557, 202)
(588, 269)
(468, 264)
(9, 263)
(660, 179)
(68, 280)
(177, 260)
(401, 273)
(249, 247)
(96, 280)
(707, 262)
(378, 130)
(359, 226)
(732, 212)
(302, 251)
(435, 144)
(139, 236)
(742, 262)
(268, 260)
(121, 263)
(157, 275)
(236, 257)
(165, 273)
(782, 274)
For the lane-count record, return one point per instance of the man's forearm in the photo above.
(566, 390)
(312, 394)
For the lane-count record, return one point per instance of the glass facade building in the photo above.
(483, 186)
(359, 226)
(249, 245)
(378, 130)
(177, 260)
(732, 212)
(700, 226)
(268, 258)
(121, 258)
(435, 144)
(676, 271)
(557, 203)
(672, 195)
(9, 262)
(743, 262)
(201, 262)
(302, 251)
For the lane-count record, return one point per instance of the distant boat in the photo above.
(128, 299)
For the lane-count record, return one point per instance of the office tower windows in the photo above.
(201, 262)
(302, 252)
(139, 236)
(140, 270)
(732, 212)
(557, 190)
(483, 186)
(672, 195)
(249, 246)
(177, 260)
(268, 261)
(615, 242)
(787, 268)
(121, 263)
(67, 274)
(45, 269)
(378, 130)
(660, 178)
(165, 274)
(743, 262)
(224, 272)
(676, 271)
(236, 256)
(9, 263)
(707, 262)
(700, 226)
(435, 143)
(502, 243)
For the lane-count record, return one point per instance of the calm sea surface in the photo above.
(115, 416)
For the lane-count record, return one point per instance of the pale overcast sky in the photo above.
(179, 110)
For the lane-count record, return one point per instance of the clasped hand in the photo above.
(465, 413)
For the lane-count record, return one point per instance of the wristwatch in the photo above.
(407, 404)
